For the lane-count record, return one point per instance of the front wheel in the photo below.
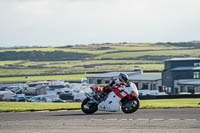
(130, 105)
(88, 106)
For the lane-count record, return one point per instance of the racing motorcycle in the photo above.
(121, 97)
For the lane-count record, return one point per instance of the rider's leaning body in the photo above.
(121, 82)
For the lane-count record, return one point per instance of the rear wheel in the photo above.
(130, 105)
(88, 106)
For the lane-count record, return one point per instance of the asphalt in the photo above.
(144, 120)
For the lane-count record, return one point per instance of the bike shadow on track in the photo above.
(82, 114)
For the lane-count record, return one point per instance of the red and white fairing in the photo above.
(112, 103)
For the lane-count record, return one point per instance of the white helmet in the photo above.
(123, 77)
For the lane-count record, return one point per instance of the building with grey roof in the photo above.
(181, 75)
(147, 77)
(105, 78)
(187, 85)
(147, 84)
(183, 59)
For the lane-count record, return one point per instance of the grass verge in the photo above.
(75, 77)
(28, 106)
(171, 103)
(145, 104)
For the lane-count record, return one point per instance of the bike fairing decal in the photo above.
(120, 94)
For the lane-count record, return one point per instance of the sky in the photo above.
(69, 22)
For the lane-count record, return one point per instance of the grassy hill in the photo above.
(92, 58)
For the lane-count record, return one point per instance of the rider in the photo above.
(116, 83)
(112, 101)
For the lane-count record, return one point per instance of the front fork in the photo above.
(91, 98)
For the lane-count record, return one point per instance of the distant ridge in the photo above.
(195, 41)
(69, 46)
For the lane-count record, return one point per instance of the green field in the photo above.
(145, 104)
(26, 106)
(61, 67)
(90, 58)
(171, 103)
(76, 77)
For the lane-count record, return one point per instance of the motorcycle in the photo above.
(121, 97)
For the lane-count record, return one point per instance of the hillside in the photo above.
(92, 58)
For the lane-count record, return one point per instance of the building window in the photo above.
(182, 89)
(154, 86)
(161, 89)
(145, 86)
(197, 64)
(98, 81)
(196, 75)
(90, 81)
(191, 90)
(107, 81)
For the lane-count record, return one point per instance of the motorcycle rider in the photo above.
(109, 97)
(116, 83)
(112, 101)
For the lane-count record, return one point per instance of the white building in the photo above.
(105, 78)
(185, 86)
(147, 84)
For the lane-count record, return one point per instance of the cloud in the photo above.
(85, 21)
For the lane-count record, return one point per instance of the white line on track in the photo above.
(142, 119)
(111, 119)
(95, 119)
(173, 119)
(157, 119)
(190, 119)
(123, 119)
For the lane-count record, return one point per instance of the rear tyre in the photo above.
(88, 107)
(130, 105)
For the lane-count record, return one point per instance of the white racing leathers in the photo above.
(112, 103)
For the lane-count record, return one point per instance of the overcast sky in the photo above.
(67, 22)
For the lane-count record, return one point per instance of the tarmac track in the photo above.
(185, 120)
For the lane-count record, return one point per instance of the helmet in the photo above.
(123, 77)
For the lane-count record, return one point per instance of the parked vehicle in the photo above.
(57, 100)
(6, 95)
(4, 88)
(124, 97)
(21, 99)
(37, 99)
(45, 98)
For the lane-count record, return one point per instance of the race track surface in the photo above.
(186, 120)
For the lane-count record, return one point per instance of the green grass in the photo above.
(76, 77)
(172, 52)
(145, 46)
(26, 106)
(132, 55)
(61, 67)
(145, 104)
(171, 103)
(59, 49)
(3, 63)
(10, 72)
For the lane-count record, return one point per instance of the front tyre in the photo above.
(130, 105)
(88, 106)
